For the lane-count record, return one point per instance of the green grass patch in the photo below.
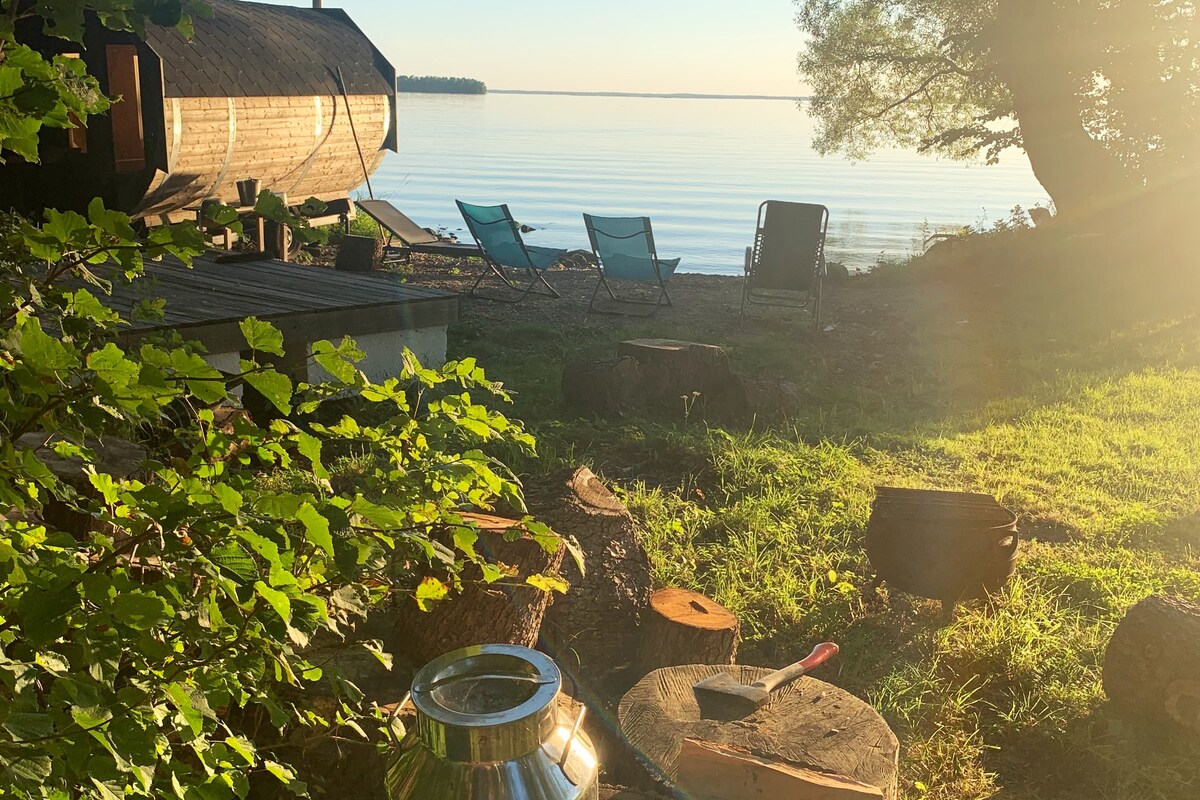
(1090, 433)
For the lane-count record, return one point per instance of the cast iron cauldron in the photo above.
(488, 728)
(950, 546)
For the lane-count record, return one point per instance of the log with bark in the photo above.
(594, 630)
(481, 614)
(684, 627)
(808, 725)
(1152, 665)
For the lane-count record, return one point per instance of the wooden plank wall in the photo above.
(302, 146)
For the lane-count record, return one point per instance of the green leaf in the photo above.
(25, 726)
(262, 336)
(316, 528)
(105, 485)
(140, 610)
(431, 590)
(286, 777)
(276, 599)
(182, 701)
(244, 748)
(275, 387)
(41, 351)
(310, 447)
(548, 583)
(229, 498)
(111, 366)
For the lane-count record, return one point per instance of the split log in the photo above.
(709, 771)
(602, 387)
(481, 614)
(359, 254)
(1152, 665)
(594, 630)
(685, 627)
(808, 724)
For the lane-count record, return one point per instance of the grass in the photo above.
(1084, 423)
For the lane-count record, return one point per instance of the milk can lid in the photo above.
(486, 685)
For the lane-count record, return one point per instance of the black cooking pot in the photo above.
(949, 546)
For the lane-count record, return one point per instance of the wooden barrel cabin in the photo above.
(254, 94)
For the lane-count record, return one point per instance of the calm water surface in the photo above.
(697, 168)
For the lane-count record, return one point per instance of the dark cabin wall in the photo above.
(68, 179)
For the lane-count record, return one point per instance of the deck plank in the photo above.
(208, 297)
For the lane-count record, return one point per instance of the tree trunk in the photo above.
(1032, 53)
(687, 628)
(1152, 665)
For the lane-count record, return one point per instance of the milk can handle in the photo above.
(572, 736)
(391, 717)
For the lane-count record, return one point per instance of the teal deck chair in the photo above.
(499, 238)
(624, 250)
(786, 264)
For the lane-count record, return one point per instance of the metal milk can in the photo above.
(489, 728)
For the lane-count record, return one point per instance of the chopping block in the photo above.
(823, 741)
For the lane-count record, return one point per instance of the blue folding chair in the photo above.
(499, 238)
(624, 250)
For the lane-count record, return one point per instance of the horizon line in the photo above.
(666, 95)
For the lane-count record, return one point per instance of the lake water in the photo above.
(697, 167)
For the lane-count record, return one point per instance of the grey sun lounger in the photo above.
(406, 237)
(787, 261)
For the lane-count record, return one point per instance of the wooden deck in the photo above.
(207, 301)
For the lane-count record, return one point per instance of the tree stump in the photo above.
(481, 614)
(1152, 665)
(673, 370)
(116, 457)
(602, 387)
(594, 629)
(808, 724)
(685, 627)
(359, 254)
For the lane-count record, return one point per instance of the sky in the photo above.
(703, 46)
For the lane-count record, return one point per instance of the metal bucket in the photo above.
(489, 728)
(248, 191)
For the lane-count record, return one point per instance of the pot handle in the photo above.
(1009, 543)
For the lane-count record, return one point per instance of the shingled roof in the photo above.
(253, 49)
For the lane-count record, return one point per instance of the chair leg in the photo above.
(525, 291)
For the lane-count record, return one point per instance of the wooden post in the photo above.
(684, 627)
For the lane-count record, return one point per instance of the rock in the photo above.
(836, 273)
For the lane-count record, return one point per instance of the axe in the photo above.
(722, 697)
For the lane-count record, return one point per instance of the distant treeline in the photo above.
(430, 83)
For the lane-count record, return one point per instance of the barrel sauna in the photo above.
(254, 94)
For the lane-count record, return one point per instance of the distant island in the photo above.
(439, 85)
(667, 95)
